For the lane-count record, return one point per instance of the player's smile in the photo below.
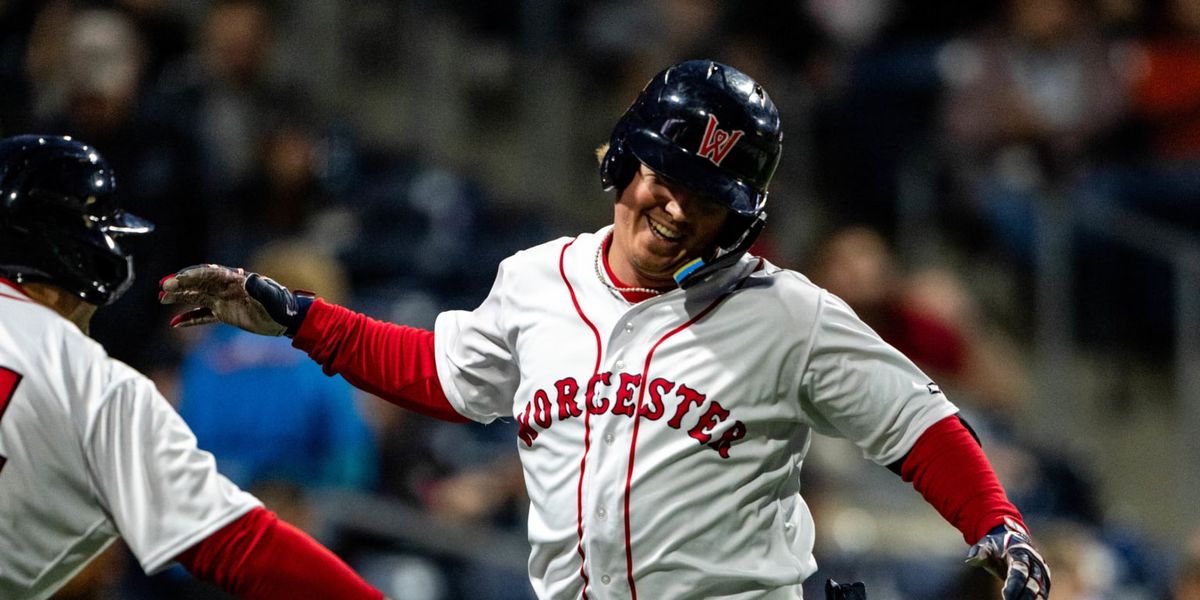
(663, 231)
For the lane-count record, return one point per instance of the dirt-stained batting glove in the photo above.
(247, 300)
(1008, 553)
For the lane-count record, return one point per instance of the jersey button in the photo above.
(620, 365)
(602, 513)
(629, 328)
(605, 579)
(608, 438)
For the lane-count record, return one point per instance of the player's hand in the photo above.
(246, 300)
(845, 591)
(1008, 553)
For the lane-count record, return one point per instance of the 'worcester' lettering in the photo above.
(623, 403)
(567, 407)
(627, 395)
(541, 409)
(524, 431)
(597, 407)
(688, 398)
(653, 409)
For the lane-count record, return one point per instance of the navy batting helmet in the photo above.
(59, 222)
(712, 129)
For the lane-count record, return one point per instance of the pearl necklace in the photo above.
(619, 290)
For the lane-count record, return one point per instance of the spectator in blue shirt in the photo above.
(266, 412)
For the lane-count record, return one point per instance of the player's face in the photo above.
(660, 225)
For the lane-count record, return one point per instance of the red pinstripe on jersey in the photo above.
(587, 428)
(9, 379)
(18, 293)
(637, 417)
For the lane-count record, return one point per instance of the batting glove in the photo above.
(845, 591)
(247, 300)
(1008, 553)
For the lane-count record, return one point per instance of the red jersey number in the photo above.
(9, 379)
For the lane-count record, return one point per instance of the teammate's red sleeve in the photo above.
(394, 362)
(949, 469)
(259, 557)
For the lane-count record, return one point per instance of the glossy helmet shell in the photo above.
(59, 221)
(705, 125)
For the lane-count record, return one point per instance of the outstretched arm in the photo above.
(259, 557)
(863, 389)
(948, 467)
(391, 361)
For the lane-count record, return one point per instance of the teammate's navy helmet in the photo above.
(59, 222)
(705, 125)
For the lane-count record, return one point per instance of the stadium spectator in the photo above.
(1186, 585)
(931, 316)
(228, 93)
(1026, 103)
(1160, 172)
(89, 84)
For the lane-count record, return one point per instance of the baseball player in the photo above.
(666, 383)
(89, 450)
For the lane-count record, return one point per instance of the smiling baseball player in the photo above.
(666, 382)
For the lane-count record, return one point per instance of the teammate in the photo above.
(666, 382)
(89, 450)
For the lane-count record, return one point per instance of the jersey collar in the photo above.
(719, 282)
(6, 283)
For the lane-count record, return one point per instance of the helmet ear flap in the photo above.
(618, 166)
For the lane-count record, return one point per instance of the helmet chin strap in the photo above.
(698, 270)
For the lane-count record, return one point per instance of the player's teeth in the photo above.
(663, 231)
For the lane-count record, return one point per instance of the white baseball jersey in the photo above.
(662, 440)
(89, 451)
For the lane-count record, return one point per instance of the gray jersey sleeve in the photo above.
(858, 387)
(475, 360)
(163, 493)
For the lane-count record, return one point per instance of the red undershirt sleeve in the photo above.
(259, 557)
(395, 362)
(951, 472)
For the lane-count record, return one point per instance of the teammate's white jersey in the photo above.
(662, 441)
(89, 450)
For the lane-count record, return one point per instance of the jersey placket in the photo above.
(630, 340)
(605, 510)
(612, 426)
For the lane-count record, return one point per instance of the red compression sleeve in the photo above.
(391, 361)
(949, 469)
(259, 557)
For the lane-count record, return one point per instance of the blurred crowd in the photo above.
(388, 153)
